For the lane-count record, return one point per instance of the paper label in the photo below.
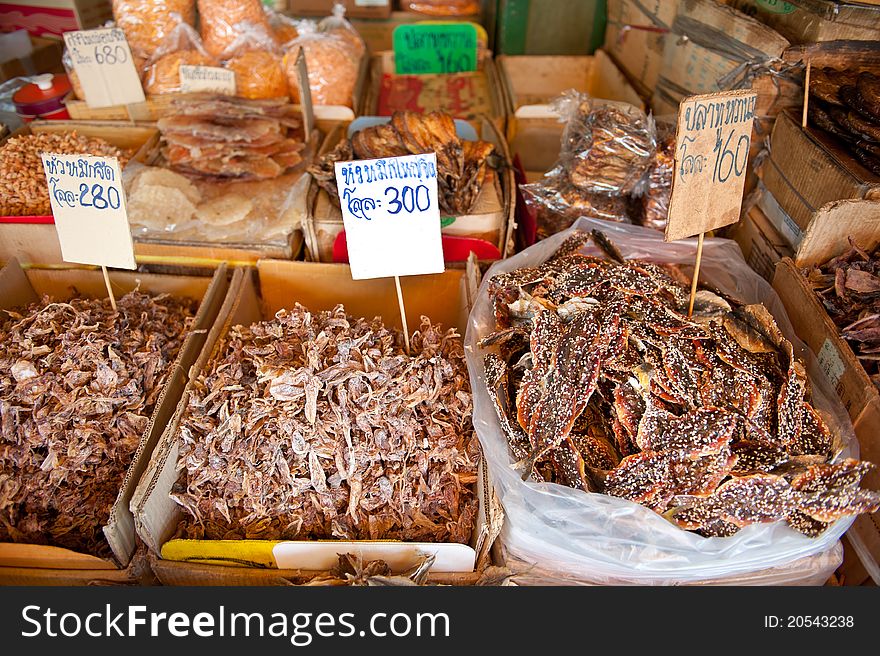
(195, 79)
(371, 3)
(102, 61)
(424, 48)
(88, 204)
(392, 216)
(712, 143)
(831, 363)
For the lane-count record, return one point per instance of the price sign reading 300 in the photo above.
(391, 215)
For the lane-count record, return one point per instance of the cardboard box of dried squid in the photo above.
(84, 396)
(485, 228)
(827, 237)
(331, 446)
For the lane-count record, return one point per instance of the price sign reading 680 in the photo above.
(391, 215)
(711, 159)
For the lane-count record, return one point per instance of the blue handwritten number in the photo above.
(395, 200)
(427, 198)
(83, 190)
(98, 197)
(116, 202)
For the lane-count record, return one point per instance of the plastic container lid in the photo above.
(44, 95)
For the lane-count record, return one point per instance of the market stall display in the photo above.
(561, 339)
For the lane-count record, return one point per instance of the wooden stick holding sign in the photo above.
(712, 143)
(806, 93)
(391, 213)
(88, 203)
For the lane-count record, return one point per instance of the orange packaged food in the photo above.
(222, 22)
(147, 23)
(258, 74)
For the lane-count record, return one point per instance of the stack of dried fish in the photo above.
(607, 149)
(461, 165)
(603, 383)
(847, 104)
(658, 187)
(849, 288)
(78, 383)
(320, 426)
(223, 137)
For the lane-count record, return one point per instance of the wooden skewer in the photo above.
(696, 274)
(109, 289)
(806, 93)
(402, 312)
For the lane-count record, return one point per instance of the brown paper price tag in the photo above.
(712, 143)
(195, 79)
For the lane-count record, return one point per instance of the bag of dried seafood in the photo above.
(332, 61)
(607, 150)
(182, 46)
(657, 448)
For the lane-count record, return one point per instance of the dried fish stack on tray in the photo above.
(847, 105)
(227, 173)
(462, 165)
(597, 380)
(222, 137)
(78, 383)
(848, 286)
(319, 426)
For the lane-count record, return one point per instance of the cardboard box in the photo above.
(468, 96)
(444, 297)
(45, 57)
(808, 21)
(761, 244)
(807, 169)
(353, 8)
(693, 62)
(53, 17)
(531, 83)
(491, 219)
(635, 38)
(824, 239)
(39, 563)
(549, 27)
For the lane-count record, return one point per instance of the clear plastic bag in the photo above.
(569, 535)
(222, 22)
(147, 23)
(255, 58)
(337, 25)
(332, 64)
(657, 189)
(284, 28)
(181, 47)
(607, 149)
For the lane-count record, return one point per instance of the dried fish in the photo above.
(848, 286)
(319, 426)
(78, 383)
(705, 420)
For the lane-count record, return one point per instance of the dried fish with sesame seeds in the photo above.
(707, 420)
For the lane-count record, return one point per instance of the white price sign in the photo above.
(102, 61)
(88, 204)
(194, 79)
(392, 216)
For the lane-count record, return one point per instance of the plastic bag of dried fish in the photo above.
(607, 150)
(602, 538)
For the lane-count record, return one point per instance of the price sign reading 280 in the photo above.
(391, 215)
(712, 145)
(88, 204)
